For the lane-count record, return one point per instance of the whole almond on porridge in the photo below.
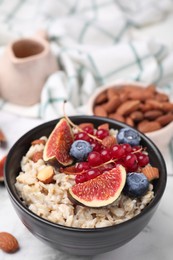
(46, 174)
(104, 126)
(108, 141)
(37, 156)
(83, 125)
(38, 141)
(150, 172)
(8, 243)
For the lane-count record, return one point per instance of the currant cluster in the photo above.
(99, 158)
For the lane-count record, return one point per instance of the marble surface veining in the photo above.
(153, 243)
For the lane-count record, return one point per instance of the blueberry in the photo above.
(136, 184)
(80, 150)
(129, 136)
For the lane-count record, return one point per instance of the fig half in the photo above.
(58, 144)
(100, 191)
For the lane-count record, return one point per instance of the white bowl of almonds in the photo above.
(137, 104)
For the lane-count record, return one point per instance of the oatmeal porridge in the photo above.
(55, 198)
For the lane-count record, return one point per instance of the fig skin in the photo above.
(60, 141)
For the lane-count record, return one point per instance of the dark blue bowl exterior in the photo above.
(74, 240)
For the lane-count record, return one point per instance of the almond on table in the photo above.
(8, 243)
(2, 163)
(3, 140)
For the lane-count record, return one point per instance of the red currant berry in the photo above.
(92, 173)
(130, 162)
(88, 130)
(96, 146)
(107, 167)
(102, 133)
(94, 159)
(117, 151)
(105, 155)
(82, 166)
(143, 159)
(136, 149)
(127, 148)
(82, 136)
(81, 178)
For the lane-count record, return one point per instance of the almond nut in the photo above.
(154, 104)
(3, 140)
(152, 114)
(150, 172)
(123, 96)
(8, 243)
(112, 104)
(129, 121)
(141, 95)
(83, 125)
(38, 141)
(46, 174)
(104, 126)
(37, 156)
(165, 119)
(167, 107)
(2, 163)
(108, 141)
(101, 98)
(2, 136)
(116, 116)
(100, 111)
(148, 126)
(112, 92)
(137, 116)
(143, 107)
(128, 107)
(161, 97)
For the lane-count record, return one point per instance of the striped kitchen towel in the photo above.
(94, 42)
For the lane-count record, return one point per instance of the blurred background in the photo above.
(94, 42)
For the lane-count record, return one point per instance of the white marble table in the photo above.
(153, 243)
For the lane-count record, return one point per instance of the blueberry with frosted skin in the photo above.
(80, 150)
(136, 185)
(128, 135)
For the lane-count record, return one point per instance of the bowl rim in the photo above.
(52, 123)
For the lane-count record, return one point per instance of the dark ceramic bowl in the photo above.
(80, 241)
